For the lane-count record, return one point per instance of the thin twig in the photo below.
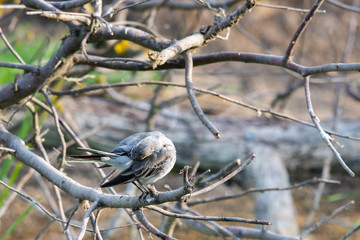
(229, 176)
(25, 177)
(30, 200)
(46, 191)
(207, 218)
(86, 219)
(37, 136)
(260, 111)
(195, 169)
(221, 230)
(142, 219)
(229, 167)
(83, 45)
(194, 103)
(26, 67)
(348, 234)
(98, 7)
(206, 59)
(12, 6)
(319, 191)
(332, 214)
(38, 141)
(58, 129)
(5, 149)
(94, 221)
(153, 109)
(243, 193)
(206, 35)
(300, 30)
(12, 50)
(48, 213)
(63, 16)
(301, 10)
(115, 11)
(74, 136)
(323, 134)
(75, 208)
(62, 212)
(344, 6)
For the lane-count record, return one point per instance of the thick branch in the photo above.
(200, 60)
(77, 190)
(59, 65)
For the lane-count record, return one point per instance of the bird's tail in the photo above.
(120, 162)
(97, 152)
(96, 156)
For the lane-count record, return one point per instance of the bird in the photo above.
(142, 158)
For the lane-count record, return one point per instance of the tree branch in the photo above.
(77, 190)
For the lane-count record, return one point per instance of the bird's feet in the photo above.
(152, 190)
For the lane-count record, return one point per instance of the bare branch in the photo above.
(243, 193)
(208, 218)
(77, 190)
(229, 176)
(63, 16)
(115, 11)
(194, 103)
(258, 110)
(86, 218)
(26, 67)
(58, 129)
(300, 30)
(32, 201)
(287, 8)
(323, 134)
(332, 214)
(344, 6)
(141, 217)
(12, 50)
(179, 63)
(258, 234)
(205, 35)
(25, 178)
(58, 65)
(347, 235)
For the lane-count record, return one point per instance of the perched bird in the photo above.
(142, 158)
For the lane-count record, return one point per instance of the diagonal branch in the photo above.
(206, 34)
(77, 190)
(2, 35)
(327, 139)
(208, 218)
(326, 218)
(213, 93)
(141, 217)
(194, 103)
(301, 29)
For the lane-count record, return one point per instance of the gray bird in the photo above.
(142, 158)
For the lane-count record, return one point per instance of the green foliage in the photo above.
(7, 169)
(342, 196)
(32, 46)
(5, 192)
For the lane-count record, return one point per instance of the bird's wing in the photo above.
(145, 147)
(136, 168)
(118, 180)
